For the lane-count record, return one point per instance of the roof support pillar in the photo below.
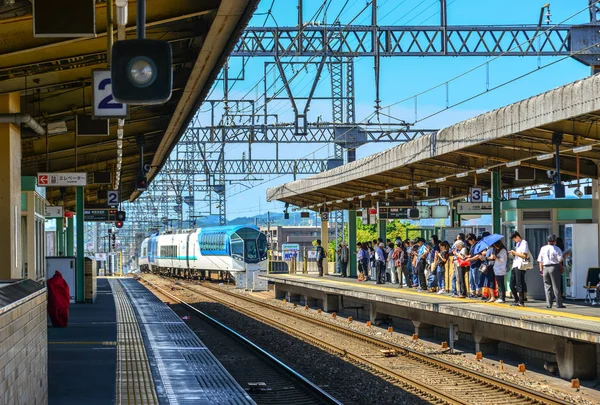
(381, 224)
(60, 237)
(496, 202)
(70, 236)
(325, 242)
(352, 241)
(596, 206)
(80, 244)
(10, 188)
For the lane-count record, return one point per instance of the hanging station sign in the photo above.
(61, 179)
(474, 208)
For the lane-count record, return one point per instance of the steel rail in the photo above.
(407, 383)
(525, 393)
(314, 389)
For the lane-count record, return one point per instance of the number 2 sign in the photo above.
(104, 104)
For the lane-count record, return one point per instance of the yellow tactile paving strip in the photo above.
(434, 297)
(134, 378)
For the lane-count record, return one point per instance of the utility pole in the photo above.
(269, 228)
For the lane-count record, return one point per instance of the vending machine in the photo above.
(581, 245)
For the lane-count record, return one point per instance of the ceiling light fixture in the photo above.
(440, 180)
(482, 170)
(389, 190)
(513, 164)
(581, 149)
(546, 156)
(463, 174)
(404, 188)
(375, 193)
(362, 197)
(422, 184)
(349, 198)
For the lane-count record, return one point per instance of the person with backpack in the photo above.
(400, 260)
(380, 263)
(321, 255)
(442, 259)
(362, 257)
(523, 261)
(390, 269)
(344, 259)
(422, 264)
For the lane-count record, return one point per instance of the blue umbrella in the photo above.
(486, 242)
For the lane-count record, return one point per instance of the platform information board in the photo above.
(99, 215)
(61, 179)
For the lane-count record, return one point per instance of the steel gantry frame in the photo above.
(336, 46)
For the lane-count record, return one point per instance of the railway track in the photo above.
(266, 379)
(434, 379)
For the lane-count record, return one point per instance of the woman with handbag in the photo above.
(461, 266)
(488, 278)
(500, 257)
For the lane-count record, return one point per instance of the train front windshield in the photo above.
(249, 245)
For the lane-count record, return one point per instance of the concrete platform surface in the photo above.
(129, 347)
(577, 321)
(82, 357)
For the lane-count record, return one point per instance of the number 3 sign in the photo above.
(104, 104)
(476, 195)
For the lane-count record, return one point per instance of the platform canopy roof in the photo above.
(53, 77)
(522, 131)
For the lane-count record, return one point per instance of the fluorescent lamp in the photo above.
(463, 174)
(349, 198)
(319, 204)
(389, 190)
(404, 188)
(581, 149)
(362, 197)
(311, 206)
(513, 164)
(119, 133)
(375, 193)
(482, 170)
(546, 156)
(440, 180)
(422, 184)
(339, 201)
(329, 202)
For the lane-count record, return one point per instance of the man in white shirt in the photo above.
(517, 276)
(550, 259)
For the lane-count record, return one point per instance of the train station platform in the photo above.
(130, 347)
(570, 336)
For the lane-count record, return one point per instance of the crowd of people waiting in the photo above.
(422, 264)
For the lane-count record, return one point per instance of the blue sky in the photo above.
(401, 77)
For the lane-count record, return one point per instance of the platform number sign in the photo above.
(324, 216)
(476, 195)
(112, 197)
(105, 105)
